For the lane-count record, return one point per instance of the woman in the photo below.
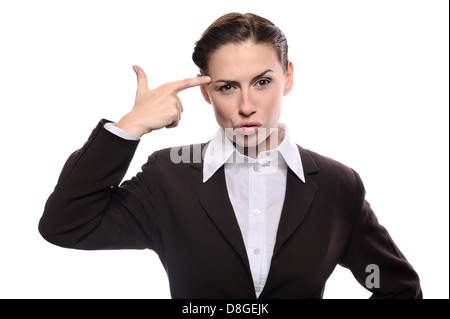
(248, 214)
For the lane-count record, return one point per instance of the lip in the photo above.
(249, 124)
(248, 127)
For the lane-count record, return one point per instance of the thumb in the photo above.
(141, 79)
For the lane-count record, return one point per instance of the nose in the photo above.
(246, 106)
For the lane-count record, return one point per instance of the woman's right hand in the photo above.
(157, 108)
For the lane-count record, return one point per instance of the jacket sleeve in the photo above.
(375, 260)
(88, 209)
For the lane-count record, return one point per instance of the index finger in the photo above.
(179, 86)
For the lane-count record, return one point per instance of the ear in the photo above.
(289, 79)
(204, 92)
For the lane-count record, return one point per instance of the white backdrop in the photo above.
(371, 90)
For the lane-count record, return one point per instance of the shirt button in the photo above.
(256, 251)
(257, 211)
(256, 168)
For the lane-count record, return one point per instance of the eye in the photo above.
(227, 87)
(262, 83)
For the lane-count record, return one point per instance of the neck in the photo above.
(270, 143)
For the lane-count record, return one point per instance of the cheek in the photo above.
(270, 102)
(223, 110)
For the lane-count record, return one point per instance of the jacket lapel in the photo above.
(298, 199)
(213, 197)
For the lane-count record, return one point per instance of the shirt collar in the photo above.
(221, 150)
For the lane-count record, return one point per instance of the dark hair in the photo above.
(236, 28)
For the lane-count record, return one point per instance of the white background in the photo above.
(371, 91)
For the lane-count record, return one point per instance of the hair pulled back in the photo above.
(234, 28)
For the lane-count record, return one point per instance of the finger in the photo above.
(141, 78)
(174, 122)
(179, 86)
(180, 106)
(177, 117)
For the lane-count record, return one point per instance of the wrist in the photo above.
(131, 127)
(111, 127)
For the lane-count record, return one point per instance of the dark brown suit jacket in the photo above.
(193, 229)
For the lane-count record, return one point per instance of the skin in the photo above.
(157, 108)
(245, 85)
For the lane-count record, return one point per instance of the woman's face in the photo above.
(246, 90)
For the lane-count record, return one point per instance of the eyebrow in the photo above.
(231, 82)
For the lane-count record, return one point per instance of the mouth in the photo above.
(248, 127)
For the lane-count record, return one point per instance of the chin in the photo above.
(249, 141)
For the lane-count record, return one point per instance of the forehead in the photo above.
(242, 61)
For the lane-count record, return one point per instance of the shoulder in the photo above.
(322, 162)
(329, 171)
(182, 154)
(177, 161)
(173, 167)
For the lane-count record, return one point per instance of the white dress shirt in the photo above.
(256, 188)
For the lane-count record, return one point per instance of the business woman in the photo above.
(248, 214)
